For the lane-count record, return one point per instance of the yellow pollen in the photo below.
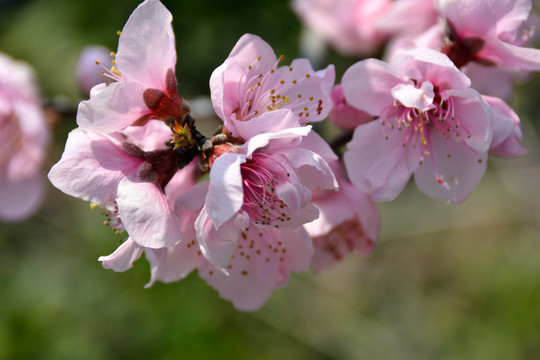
(112, 53)
(98, 62)
(93, 206)
(258, 58)
(308, 76)
(294, 81)
(113, 70)
(119, 32)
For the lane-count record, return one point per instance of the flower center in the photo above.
(417, 124)
(462, 50)
(261, 202)
(162, 104)
(278, 88)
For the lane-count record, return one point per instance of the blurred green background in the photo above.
(445, 282)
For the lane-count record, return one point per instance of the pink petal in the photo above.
(257, 269)
(412, 97)
(152, 136)
(275, 140)
(366, 85)
(225, 91)
(216, 246)
(424, 64)
(474, 115)
(343, 114)
(377, 166)
(146, 214)
(367, 212)
(146, 48)
(122, 258)
(91, 167)
(308, 91)
(513, 16)
(334, 209)
(315, 143)
(488, 80)
(506, 130)
(512, 56)
(270, 122)
(450, 178)
(113, 108)
(248, 48)
(472, 16)
(173, 263)
(226, 193)
(312, 169)
(194, 198)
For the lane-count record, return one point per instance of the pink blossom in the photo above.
(430, 124)
(143, 84)
(347, 25)
(343, 114)
(263, 183)
(126, 173)
(250, 83)
(485, 38)
(24, 138)
(261, 262)
(348, 220)
(488, 33)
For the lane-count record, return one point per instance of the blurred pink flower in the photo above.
(24, 138)
(127, 174)
(486, 39)
(405, 18)
(264, 183)
(430, 124)
(347, 25)
(143, 84)
(487, 32)
(88, 73)
(348, 220)
(250, 83)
